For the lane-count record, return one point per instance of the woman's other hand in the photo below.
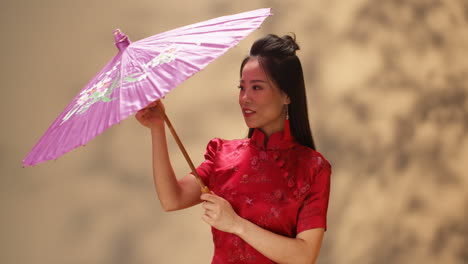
(152, 115)
(219, 213)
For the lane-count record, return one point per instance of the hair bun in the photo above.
(274, 46)
(290, 43)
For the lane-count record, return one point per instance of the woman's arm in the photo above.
(302, 249)
(280, 249)
(173, 194)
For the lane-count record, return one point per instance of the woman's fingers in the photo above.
(156, 106)
(211, 205)
(219, 213)
(140, 115)
(153, 104)
(209, 197)
(151, 115)
(207, 219)
(211, 214)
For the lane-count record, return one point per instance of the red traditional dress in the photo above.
(282, 187)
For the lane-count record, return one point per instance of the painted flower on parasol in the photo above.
(140, 73)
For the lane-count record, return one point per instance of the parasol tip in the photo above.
(121, 40)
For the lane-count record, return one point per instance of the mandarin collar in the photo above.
(275, 142)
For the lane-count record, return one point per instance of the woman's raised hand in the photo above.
(152, 115)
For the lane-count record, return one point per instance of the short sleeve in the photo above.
(206, 168)
(313, 212)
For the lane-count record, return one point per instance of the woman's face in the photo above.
(261, 101)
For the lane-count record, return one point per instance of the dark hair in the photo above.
(277, 56)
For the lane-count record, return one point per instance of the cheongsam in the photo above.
(280, 186)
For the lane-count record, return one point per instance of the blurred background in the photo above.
(388, 102)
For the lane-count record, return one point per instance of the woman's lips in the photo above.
(247, 112)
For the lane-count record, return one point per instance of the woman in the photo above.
(270, 191)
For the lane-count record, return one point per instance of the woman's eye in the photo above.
(240, 87)
(255, 87)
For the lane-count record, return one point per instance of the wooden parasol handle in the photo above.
(203, 187)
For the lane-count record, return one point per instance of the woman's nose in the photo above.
(244, 96)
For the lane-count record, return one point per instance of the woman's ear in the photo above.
(286, 99)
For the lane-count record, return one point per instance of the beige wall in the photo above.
(387, 87)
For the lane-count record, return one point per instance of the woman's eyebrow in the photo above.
(252, 81)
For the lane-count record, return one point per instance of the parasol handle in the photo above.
(203, 187)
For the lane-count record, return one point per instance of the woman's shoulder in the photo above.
(316, 170)
(220, 143)
(313, 158)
